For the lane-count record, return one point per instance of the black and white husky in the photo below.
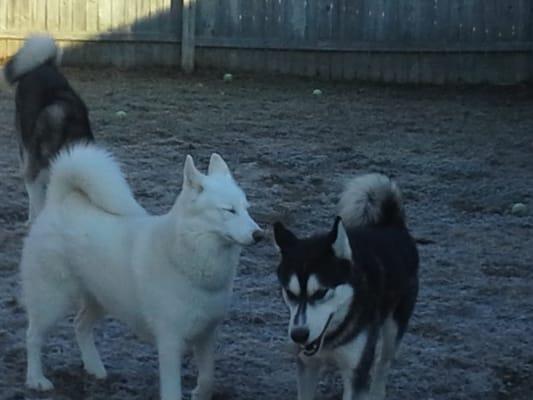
(48, 115)
(351, 291)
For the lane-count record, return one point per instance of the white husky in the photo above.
(168, 277)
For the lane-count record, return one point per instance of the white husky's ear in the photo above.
(192, 178)
(217, 165)
(341, 244)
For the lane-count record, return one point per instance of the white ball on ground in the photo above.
(317, 92)
(121, 114)
(228, 77)
(519, 209)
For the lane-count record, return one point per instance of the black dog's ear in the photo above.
(335, 229)
(283, 237)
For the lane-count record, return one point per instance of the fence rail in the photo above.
(407, 41)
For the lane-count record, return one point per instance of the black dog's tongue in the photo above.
(311, 348)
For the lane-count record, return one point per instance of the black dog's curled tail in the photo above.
(371, 200)
(37, 50)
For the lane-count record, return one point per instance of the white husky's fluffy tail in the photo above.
(37, 50)
(92, 171)
(372, 199)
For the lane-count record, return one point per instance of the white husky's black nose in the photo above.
(300, 335)
(258, 235)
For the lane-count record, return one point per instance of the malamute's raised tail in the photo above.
(352, 290)
(36, 51)
(49, 115)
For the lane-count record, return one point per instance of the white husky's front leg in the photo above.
(204, 352)
(307, 379)
(170, 351)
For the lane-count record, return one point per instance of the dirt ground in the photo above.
(461, 156)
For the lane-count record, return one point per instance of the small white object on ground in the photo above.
(317, 92)
(121, 113)
(519, 209)
(228, 77)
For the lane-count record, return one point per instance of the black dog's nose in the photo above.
(258, 236)
(300, 335)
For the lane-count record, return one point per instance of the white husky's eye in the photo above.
(230, 210)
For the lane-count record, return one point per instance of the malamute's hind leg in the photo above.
(386, 350)
(88, 314)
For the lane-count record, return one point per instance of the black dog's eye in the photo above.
(291, 296)
(319, 294)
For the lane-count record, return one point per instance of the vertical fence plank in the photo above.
(52, 15)
(442, 21)
(379, 27)
(104, 16)
(130, 14)
(390, 21)
(41, 14)
(311, 17)
(491, 31)
(91, 13)
(79, 14)
(3, 16)
(144, 9)
(65, 16)
(188, 35)
(117, 15)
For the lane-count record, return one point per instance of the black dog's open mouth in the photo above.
(312, 348)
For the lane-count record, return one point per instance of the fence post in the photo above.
(187, 35)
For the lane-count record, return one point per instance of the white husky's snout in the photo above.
(244, 230)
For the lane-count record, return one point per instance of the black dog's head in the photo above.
(315, 275)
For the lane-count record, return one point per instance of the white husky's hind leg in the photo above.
(41, 318)
(88, 314)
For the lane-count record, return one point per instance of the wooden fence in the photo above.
(437, 41)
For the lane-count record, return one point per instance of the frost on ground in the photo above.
(462, 157)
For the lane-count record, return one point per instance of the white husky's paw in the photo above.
(199, 394)
(39, 383)
(98, 371)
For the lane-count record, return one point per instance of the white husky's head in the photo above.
(215, 204)
(318, 283)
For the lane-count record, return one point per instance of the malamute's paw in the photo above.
(40, 383)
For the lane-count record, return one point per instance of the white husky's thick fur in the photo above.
(168, 277)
